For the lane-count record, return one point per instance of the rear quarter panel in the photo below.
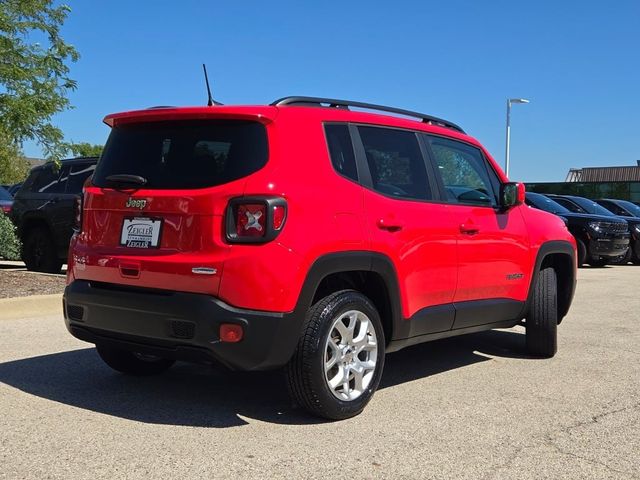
(324, 215)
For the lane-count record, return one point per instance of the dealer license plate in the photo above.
(141, 232)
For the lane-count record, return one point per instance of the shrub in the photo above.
(9, 242)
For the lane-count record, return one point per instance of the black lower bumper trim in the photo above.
(608, 247)
(147, 321)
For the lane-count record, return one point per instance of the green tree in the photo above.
(84, 149)
(34, 77)
(13, 166)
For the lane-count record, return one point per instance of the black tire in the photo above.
(598, 263)
(542, 321)
(582, 252)
(39, 251)
(133, 363)
(306, 378)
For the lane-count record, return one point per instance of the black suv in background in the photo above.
(44, 211)
(600, 238)
(631, 213)
(588, 206)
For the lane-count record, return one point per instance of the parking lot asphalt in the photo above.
(473, 407)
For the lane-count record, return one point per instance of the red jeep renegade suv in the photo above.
(308, 236)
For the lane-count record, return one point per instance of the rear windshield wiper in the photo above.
(125, 179)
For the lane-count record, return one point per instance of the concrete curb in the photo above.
(34, 305)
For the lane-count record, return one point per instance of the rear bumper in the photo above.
(609, 247)
(177, 325)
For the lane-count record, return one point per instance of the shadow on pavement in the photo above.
(205, 396)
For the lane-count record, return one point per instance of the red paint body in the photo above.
(436, 259)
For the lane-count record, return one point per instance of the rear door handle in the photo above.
(391, 225)
(468, 229)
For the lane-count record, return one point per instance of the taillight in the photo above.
(6, 209)
(255, 219)
(77, 220)
(79, 204)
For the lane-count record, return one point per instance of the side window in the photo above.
(48, 178)
(569, 205)
(615, 209)
(464, 172)
(396, 163)
(341, 150)
(77, 177)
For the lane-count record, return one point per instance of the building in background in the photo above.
(596, 182)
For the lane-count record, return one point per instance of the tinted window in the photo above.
(569, 205)
(632, 209)
(464, 172)
(341, 150)
(612, 207)
(589, 206)
(544, 203)
(395, 162)
(77, 177)
(184, 154)
(48, 180)
(4, 195)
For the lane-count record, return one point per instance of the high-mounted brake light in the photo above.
(255, 219)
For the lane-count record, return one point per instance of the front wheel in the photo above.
(598, 263)
(582, 252)
(133, 363)
(338, 362)
(542, 321)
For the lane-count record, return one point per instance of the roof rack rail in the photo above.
(332, 102)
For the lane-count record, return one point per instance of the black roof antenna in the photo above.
(210, 100)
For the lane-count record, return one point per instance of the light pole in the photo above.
(509, 102)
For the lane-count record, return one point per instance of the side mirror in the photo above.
(511, 195)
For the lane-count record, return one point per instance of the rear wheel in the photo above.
(542, 321)
(338, 362)
(39, 251)
(133, 363)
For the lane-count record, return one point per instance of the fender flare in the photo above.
(549, 248)
(349, 261)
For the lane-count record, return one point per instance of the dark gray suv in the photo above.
(44, 211)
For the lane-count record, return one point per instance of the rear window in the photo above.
(48, 180)
(77, 176)
(184, 154)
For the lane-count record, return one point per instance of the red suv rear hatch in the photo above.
(153, 216)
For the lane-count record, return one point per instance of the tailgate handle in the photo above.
(130, 270)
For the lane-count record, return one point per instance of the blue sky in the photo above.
(577, 61)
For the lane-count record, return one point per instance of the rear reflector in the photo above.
(231, 333)
(278, 216)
